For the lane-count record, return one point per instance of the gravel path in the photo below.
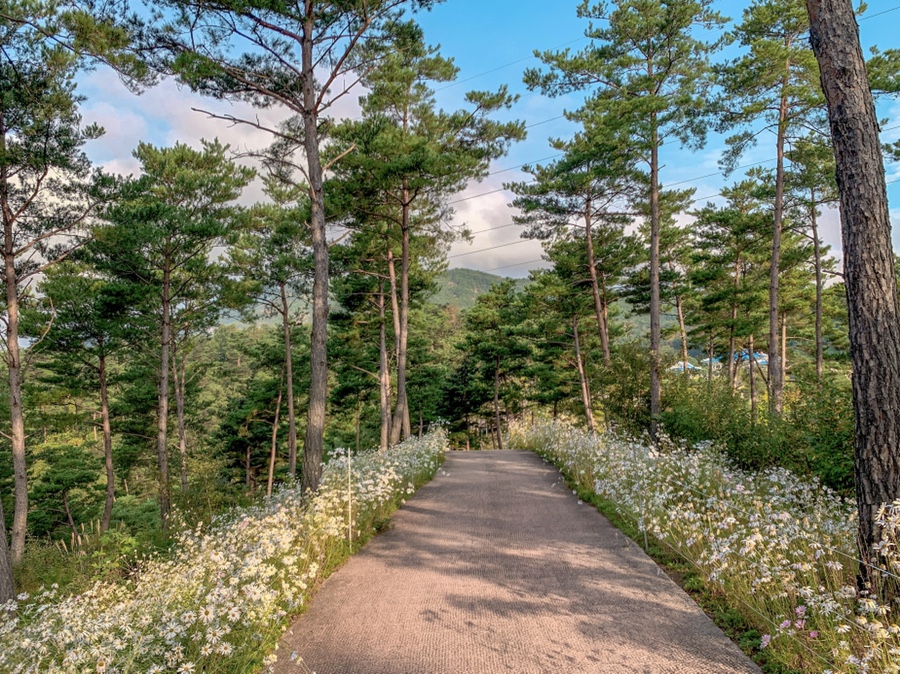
(495, 567)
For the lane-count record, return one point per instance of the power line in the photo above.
(507, 65)
(872, 16)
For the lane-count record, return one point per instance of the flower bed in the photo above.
(220, 603)
(779, 548)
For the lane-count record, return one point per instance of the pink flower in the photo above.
(764, 642)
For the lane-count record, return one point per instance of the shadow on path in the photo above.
(495, 567)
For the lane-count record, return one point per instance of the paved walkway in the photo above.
(494, 567)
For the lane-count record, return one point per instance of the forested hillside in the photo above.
(461, 287)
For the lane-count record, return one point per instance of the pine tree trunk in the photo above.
(400, 426)
(751, 360)
(107, 448)
(733, 365)
(868, 264)
(179, 378)
(776, 373)
(679, 306)
(655, 337)
(273, 451)
(7, 586)
(318, 351)
(384, 376)
(17, 414)
(582, 377)
(599, 309)
(289, 372)
(162, 407)
(784, 363)
(69, 518)
(497, 404)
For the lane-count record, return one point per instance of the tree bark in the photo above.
(384, 376)
(655, 337)
(16, 411)
(776, 374)
(179, 379)
(273, 452)
(679, 307)
(868, 264)
(751, 360)
(162, 407)
(599, 309)
(318, 351)
(401, 427)
(107, 448)
(733, 365)
(289, 372)
(585, 386)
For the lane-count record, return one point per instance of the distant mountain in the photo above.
(461, 287)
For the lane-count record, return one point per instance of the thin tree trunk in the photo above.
(68, 511)
(497, 404)
(107, 448)
(289, 372)
(7, 586)
(817, 258)
(733, 365)
(318, 352)
(655, 337)
(395, 300)
(400, 427)
(358, 421)
(585, 387)
(14, 368)
(602, 326)
(162, 409)
(775, 371)
(179, 379)
(784, 363)
(17, 415)
(272, 454)
(384, 376)
(679, 307)
(868, 265)
(751, 360)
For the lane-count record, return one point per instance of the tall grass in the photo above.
(780, 549)
(220, 603)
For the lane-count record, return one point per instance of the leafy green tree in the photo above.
(410, 157)
(648, 75)
(495, 344)
(87, 320)
(811, 185)
(160, 237)
(773, 86)
(273, 254)
(729, 249)
(593, 184)
(304, 57)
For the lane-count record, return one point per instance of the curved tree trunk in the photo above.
(384, 376)
(868, 264)
(599, 309)
(497, 404)
(270, 483)
(179, 378)
(400, 426)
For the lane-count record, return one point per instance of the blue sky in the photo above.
(491, 41)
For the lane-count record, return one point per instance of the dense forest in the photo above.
(171, 350)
